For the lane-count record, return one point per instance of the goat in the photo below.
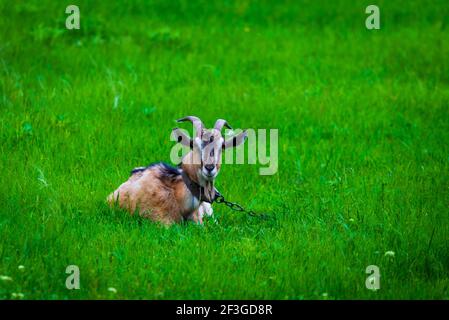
(169, 194)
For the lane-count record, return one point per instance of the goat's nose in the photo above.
(209, 167)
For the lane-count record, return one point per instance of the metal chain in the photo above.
(237, 207)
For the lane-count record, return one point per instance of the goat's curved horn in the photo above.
(197, 123)
(220, 124)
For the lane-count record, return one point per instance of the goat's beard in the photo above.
(207, 183)
(209, 190)
(208, 187)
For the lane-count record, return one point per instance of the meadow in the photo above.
(363, 124)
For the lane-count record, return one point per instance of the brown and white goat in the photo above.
(169, 194)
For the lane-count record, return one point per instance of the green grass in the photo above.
(363, 125)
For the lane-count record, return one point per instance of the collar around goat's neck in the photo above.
(202, 193)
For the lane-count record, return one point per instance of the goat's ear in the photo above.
(235, 140)
(182, 138)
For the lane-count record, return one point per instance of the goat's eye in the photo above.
(211, 139)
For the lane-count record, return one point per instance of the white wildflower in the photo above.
(113, 290)
(5, 278)
(389, 254)
(17, 295)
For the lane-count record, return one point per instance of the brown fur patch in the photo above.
(157, 193)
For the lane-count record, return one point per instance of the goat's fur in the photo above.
(159, 193)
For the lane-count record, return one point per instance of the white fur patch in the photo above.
(205, 209)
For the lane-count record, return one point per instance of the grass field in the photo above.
(363, 125)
